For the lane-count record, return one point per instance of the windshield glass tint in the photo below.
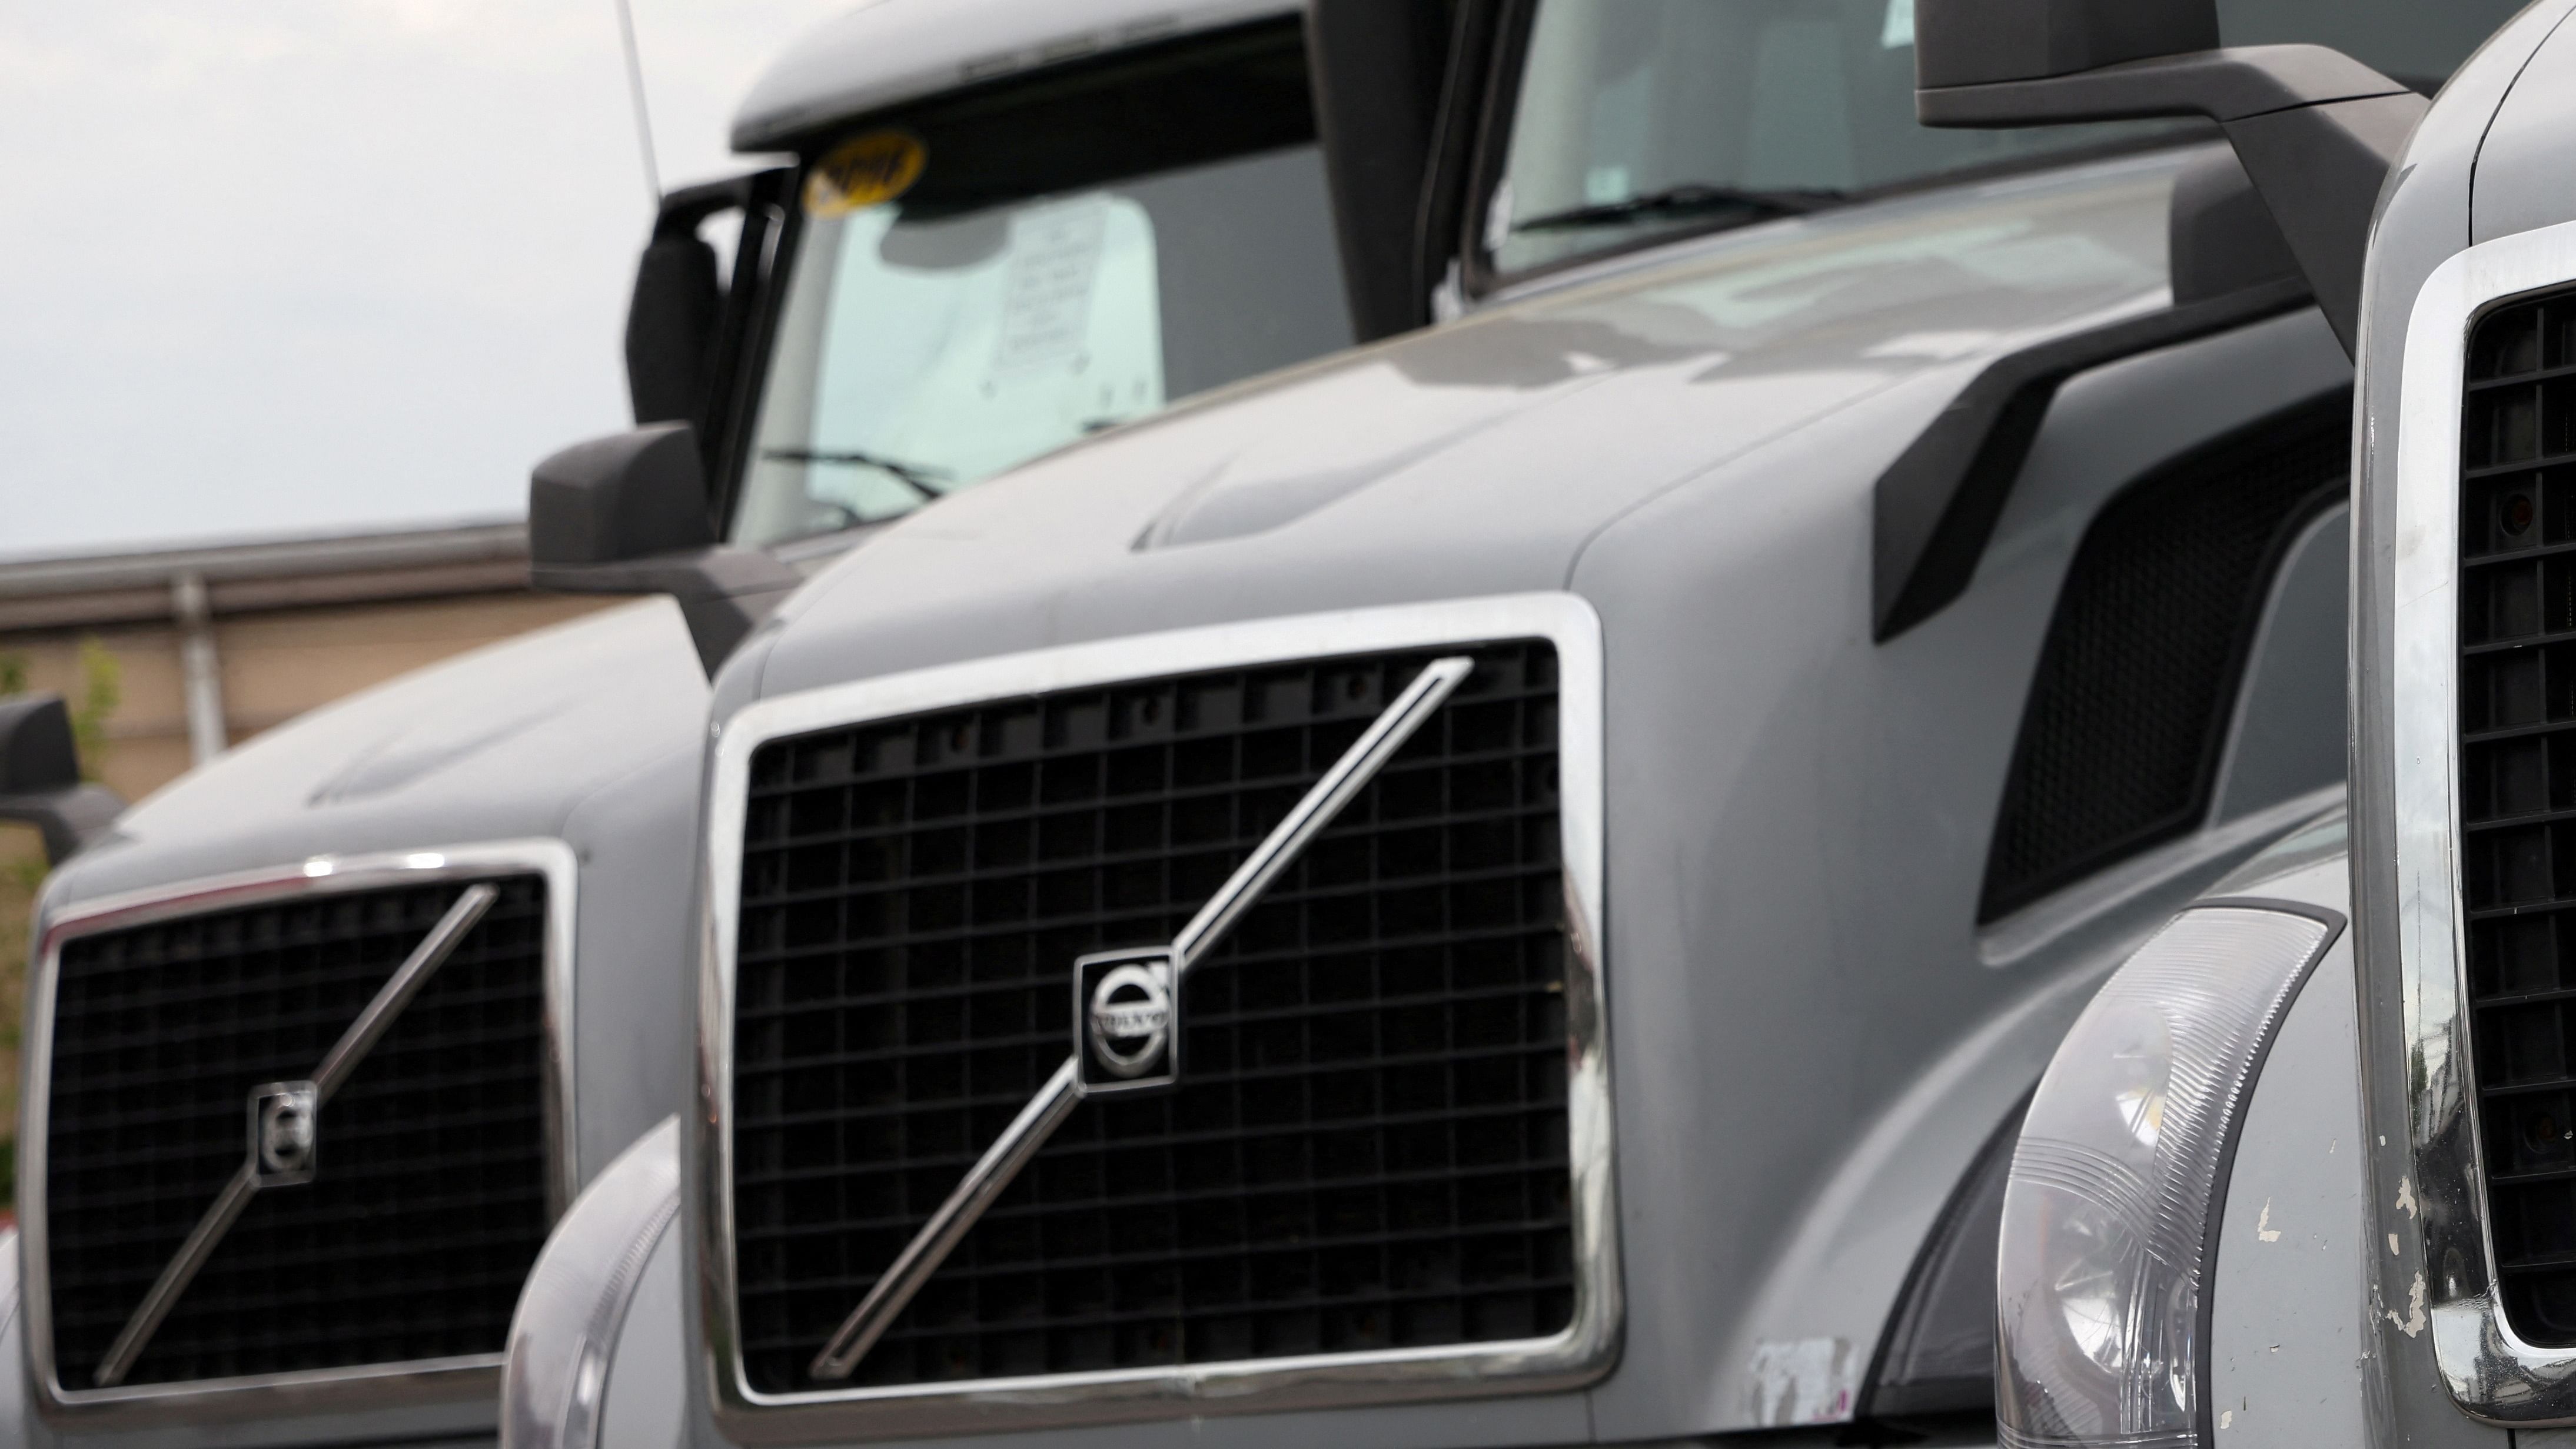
(1649, 117)
(1056, 263)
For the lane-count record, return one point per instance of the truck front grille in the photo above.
(1368, 1149)
(2517, 636)
(429, 1199)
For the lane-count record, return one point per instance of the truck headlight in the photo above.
(2102, 1335)
(555, 1374)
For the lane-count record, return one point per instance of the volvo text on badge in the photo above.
(1126, 1021)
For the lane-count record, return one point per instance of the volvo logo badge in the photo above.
(284, 1118)
(1126, 1021)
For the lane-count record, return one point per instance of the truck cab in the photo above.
(2350, 1224)
(324, 1039)
(1509, 886)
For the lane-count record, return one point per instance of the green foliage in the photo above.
(102, 689)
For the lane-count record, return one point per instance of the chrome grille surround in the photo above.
(431, 1381)
(2489, 1370)
(1573, 1356)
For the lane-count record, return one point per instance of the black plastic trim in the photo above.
(1493, 43)
(1379, 68)
(771, 225)
(1936, 506)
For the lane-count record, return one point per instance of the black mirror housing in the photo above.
(628, 514)
(38, 751)
(626, 496)
(1980, 42)
(40, 781)
(676, 312)
(671, 329)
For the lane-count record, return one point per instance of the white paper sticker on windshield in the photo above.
(1046, 302)
(1897, 31)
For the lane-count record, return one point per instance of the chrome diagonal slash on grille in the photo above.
(343, 1058)
(1056, 1100)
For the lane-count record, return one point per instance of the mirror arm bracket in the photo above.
(723, 591)
(2316, 130)
(68, 820)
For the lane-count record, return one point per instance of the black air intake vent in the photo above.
(429, 1200)
(2128, 713)
(1368, 1149)
(2518, 794)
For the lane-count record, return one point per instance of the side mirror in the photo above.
(628, 514)
(677, 311)
(40, 781)
(2315, 129)
(622, 497)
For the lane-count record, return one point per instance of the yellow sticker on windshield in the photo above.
(863, 172)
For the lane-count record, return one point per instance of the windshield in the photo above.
(981, 282)
(1644, 118)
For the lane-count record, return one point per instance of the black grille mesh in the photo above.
(430, 1200)
(2518, 793)
(2128, 712)
(1368, 1149)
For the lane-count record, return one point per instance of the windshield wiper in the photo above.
(921, 479)
(1691, 198)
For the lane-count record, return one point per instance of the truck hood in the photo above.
(1479, 457)
(500, 743)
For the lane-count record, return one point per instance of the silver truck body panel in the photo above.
(2286, 1324)
(2522, 179)
(2292, 712)
(886, 52)
(1797, 816)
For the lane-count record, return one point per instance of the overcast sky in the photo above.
(298, 266)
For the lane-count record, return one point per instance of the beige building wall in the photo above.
(271, 666)
(287, 624)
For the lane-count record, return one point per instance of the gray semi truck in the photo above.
(1513, 886)
(322, 1039)
(2305, 1173)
